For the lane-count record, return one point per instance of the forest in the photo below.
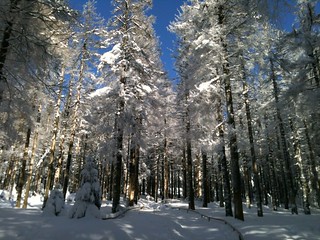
(240, 125)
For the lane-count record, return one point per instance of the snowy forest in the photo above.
(87, 107)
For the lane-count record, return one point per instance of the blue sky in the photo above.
(164, 11)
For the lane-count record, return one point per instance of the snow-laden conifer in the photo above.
(88, 197)
(55, 205)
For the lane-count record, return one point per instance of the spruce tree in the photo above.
(88, 197)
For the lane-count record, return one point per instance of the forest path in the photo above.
(168, 223)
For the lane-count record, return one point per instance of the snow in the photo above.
(150, 220)
(111, 56)
(101, 92)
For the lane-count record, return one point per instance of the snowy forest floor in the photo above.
(150, 220)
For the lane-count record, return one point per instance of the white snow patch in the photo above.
(110, 57)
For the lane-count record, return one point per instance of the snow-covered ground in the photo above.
(153, 221)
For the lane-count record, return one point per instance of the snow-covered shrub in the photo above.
(88, 197)
(4, 195)
(71, 197)
(55, 203)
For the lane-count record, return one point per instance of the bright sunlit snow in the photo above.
(150, 220)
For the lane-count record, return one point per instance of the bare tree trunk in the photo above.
(22, 175)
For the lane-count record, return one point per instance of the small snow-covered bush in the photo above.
(71, 197)
(88, 197)
(4, 195)
(54, 204)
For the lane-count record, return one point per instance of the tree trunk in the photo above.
(10, 171)
(235, 169)
(189, 163)
(156, 184)
(22, 175)
(205, 179)
(287, 161)
(166, 169)
(133, 173)
(58, 181)
(51, 170)
(315, 182)
(303, 178)
(118, 161)
(224, 164)
(247, 183)
(184, 173)
(256, 177)
(31, 167)
(75, 118)
(111, 177)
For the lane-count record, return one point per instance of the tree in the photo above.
(55, 204)
(132, 65)
(88, 197)
(31, 31)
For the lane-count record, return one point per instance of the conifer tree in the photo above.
(88, 197)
